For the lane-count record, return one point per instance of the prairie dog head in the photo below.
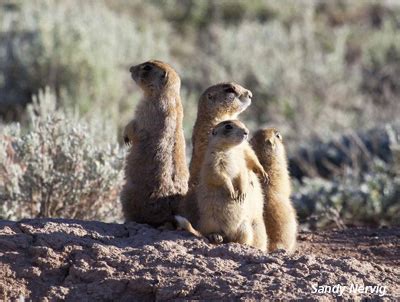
(229, 134)
(155, 77)
(268, 142)
(225, 100)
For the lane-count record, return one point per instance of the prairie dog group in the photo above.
(156, 172)
(279, 213)
(224, 197)
(229, 195)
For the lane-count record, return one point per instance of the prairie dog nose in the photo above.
(131, 69)
(248, 94)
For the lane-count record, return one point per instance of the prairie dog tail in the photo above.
(185, 224)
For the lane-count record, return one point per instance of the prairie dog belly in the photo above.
(234, 167)
(218, 213)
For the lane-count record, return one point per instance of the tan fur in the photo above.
(217, 103)
(156, 171)
(279, 213)
(229, 194)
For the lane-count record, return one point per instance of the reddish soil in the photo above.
(373, 245)
(50, 260)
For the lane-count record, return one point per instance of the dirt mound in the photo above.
(89, 261)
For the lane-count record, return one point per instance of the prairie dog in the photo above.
(220, 102)
(229, 194)
(279, 213)
(156, 172)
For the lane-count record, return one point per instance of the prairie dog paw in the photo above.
(241, 197)
(233, 195)
(127, 141)
(215, 238)
(265, 177)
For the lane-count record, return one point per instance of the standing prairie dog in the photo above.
(156, 172)
(229, 194)
(220, 102)
(279, 213)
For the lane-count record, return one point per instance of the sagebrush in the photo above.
(371, 198)
(81, 50)
(314, 67)
(58, 168)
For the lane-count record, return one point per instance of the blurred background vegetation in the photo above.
(326, 73)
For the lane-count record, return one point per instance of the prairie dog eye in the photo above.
(229, 90)
(146, 67)
(228, 127)
(278, 135)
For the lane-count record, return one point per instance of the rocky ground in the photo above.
(93, 261)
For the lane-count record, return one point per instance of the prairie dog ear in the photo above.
(210, 96)
(164, 76)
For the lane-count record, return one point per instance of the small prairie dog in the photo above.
(279, 213)
(229, 194)
(156, 172)
(220, 102)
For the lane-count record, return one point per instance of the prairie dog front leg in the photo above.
(227, 183)
(223, 180)
(254, 164)
(130, 132)
(242, 186)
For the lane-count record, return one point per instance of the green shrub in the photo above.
(315, 67)
(368, 199)
(192, 15)
(381, 63)
(81, 50)
(58, 168)
(357, 196)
